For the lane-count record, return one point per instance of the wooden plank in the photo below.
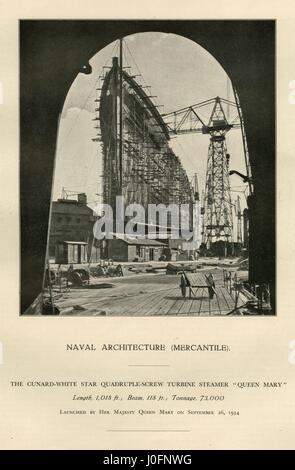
(231, 299)
(224, 297)
(82, 296)
(102, 303)
(140, 304)
(196, 305)
(221, 301)
(153, 304)
(185, 308)
(144, 303)
(130, 306)
(218, 303)
(197, 301)
(176, 306)
(214, 306)
(194, 308)
(167, 303)
(228, 298)
(204, 308)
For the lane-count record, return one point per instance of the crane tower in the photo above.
(218, 219)
(216, 206)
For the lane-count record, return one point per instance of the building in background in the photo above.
(123, 248)
(71, 221)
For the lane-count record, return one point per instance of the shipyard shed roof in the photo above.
(141, 241)
(70, 207)
(74, 243)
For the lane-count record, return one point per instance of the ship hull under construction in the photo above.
(138, 163)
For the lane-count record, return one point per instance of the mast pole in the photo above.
(121, 116)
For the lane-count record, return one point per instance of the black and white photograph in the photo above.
(147, 168)
(147, 230)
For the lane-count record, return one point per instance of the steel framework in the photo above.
(218, 220)
(216, 204)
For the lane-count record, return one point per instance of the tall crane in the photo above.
(217, 208)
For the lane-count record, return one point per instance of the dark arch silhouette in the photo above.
(53, 52)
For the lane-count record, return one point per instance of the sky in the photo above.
(181, 73)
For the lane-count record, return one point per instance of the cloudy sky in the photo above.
(180, 73)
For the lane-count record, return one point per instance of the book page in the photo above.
(125, 324)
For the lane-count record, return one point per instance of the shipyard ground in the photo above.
(145, 294)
